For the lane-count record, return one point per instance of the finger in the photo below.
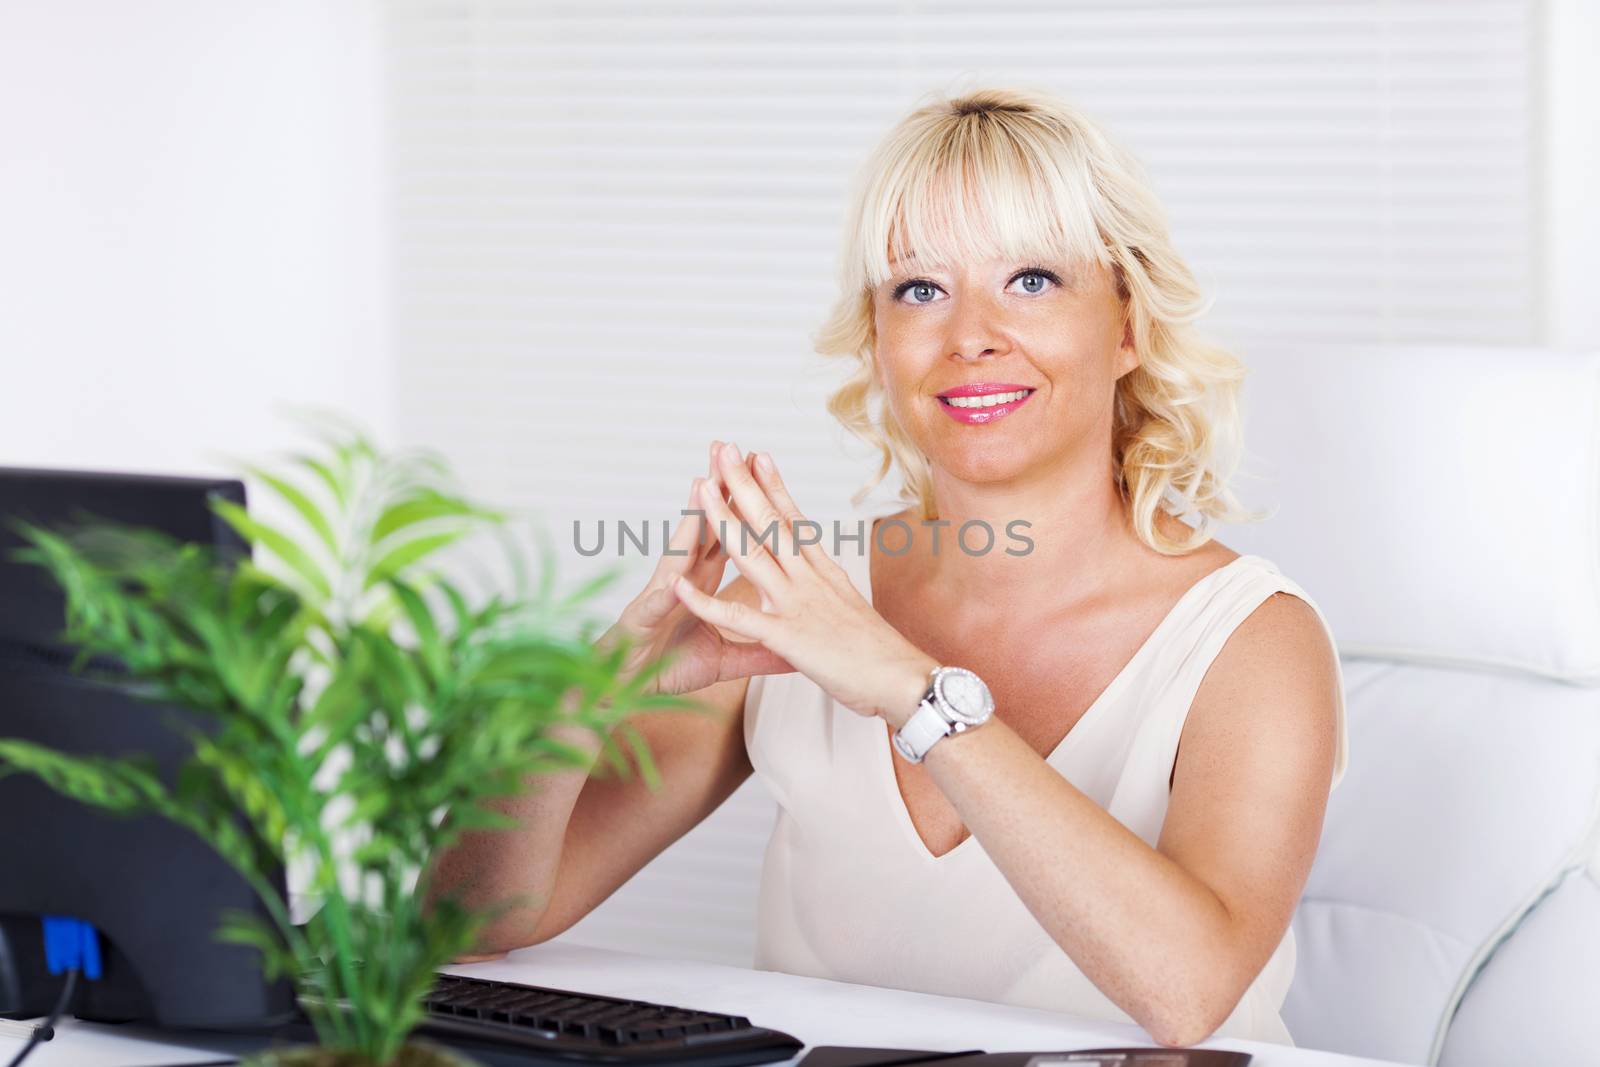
(682, 550)
(753, 560)
(713, 470)
(766, 474)
(711, 564)
(733, 505)
(759, 513)
(729, 615)
(714, 476)
(718, 552)
(712, 556)
(743, 659)
(645, 613)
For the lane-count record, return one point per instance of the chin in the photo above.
(981, 470)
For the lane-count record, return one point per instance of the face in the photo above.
(1048, 327)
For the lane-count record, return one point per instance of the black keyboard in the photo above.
(505, 1024)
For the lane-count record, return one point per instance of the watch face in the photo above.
(965, 695)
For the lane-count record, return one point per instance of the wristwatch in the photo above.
(956, 700)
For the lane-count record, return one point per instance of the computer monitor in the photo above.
(153, 890)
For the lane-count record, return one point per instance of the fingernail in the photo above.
(764, 461)
(733, 452)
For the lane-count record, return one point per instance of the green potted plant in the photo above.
(364, 709)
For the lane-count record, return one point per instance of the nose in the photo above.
(975, 329)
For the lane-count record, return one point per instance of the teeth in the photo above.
(985, 401)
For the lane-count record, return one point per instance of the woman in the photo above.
(1147, 794)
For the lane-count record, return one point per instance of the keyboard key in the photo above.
(553, 1026)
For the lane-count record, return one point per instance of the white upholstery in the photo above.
(1560, 938)
(1440, 504)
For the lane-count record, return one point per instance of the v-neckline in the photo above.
(886, 760)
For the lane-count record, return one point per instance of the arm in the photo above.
(1175, 934)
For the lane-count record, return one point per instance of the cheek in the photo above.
(893, 360)
(891, 373)
(905, 350)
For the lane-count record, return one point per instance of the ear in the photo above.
(1127, 355)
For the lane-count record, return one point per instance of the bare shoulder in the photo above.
(1282, 644)
(1282, 623)
(1273, 687)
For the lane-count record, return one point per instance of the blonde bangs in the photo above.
(982, 187)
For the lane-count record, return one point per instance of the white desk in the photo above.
(814, 1010)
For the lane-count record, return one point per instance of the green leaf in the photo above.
(87, 779)
(459, 606)
(612, 754)
(242, 777)
(245, 928)
(336, 486)
(407, 555)
(422, 508)
(396, 677)
(372, 852)
(480, 818)
(303, 504)
(279, 543)
(429, 642)
(641, 752)
(337, 709)
(369, 807)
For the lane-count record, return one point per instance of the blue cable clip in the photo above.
(71, 944)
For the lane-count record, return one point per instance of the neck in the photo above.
(1079, 527)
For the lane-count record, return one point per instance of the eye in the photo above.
(1033, 280)
(919, 288)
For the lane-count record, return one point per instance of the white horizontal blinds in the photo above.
(615, 227)
(1352, 171)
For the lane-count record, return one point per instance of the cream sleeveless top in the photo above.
(848, 889)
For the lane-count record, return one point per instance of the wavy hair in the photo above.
(1016, 174)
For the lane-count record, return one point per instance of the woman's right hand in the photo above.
(658, 622)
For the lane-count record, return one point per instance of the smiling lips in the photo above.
(983, 402)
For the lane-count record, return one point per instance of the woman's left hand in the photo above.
(811, 614)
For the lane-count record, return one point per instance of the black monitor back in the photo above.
(154, 890)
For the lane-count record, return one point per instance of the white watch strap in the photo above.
(919, 733)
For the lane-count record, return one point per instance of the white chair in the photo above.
(1441, 505)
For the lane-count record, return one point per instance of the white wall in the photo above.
(191, 227)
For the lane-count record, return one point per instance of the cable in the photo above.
(46, 1030)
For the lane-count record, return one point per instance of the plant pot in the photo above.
(414, 1054)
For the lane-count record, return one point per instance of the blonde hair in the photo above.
(1018, 174)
